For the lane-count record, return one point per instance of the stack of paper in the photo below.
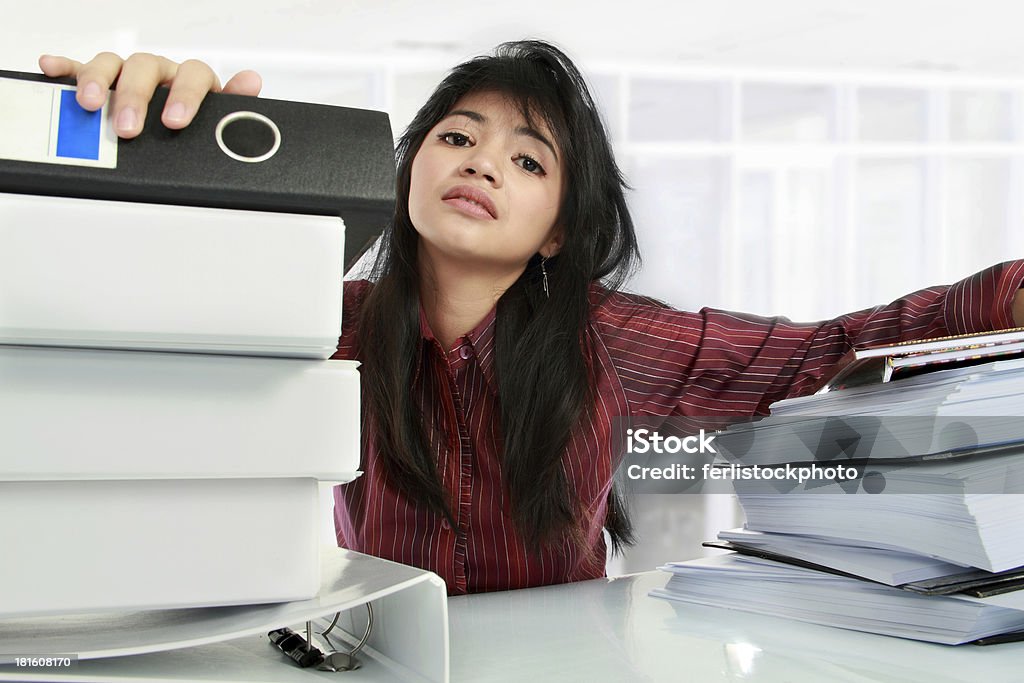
(931, 510)
(924, 542)
(962, 409)
(767, 587)
(890, 566)
(135, 478)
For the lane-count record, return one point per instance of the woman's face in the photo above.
(486, 188)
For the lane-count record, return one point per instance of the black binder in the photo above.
(330, 161)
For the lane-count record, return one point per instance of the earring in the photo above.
(544, 274)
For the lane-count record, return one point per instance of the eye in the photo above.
(529, 164)
(455, 139)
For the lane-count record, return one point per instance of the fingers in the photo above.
(55, 66)
(137, 78)
(94, 78)
(244, 83)
(140, 76)
(193, 80)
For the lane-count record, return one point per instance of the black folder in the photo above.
(330, 161)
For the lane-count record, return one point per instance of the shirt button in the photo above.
(465, 352)
(445, 525)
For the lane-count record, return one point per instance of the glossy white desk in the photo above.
(608, 630)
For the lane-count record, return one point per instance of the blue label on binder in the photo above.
(78, 130)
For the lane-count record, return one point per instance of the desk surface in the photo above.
(607, 630)
(611, 630)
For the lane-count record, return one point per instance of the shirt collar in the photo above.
(480, 339)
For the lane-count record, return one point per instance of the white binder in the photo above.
(124, 275)
(89, 414)
(133, 480)
(408, 640)
(98, 546)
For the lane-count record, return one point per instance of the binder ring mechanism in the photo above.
(304, 652)
(248, 136)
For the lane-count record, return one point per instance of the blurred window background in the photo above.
(775, 189)
(806, 194)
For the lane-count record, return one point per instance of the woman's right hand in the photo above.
(137, 78)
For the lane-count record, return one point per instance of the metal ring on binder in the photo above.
(304, 652)
(346, 661)
(253, 116)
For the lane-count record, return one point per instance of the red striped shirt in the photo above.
(651, 360)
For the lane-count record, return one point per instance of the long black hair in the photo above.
(544, 380)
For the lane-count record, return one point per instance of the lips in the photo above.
(471, 200)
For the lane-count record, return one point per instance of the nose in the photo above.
(482, 163)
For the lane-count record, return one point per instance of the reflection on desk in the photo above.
(603, 631)
(611, 630)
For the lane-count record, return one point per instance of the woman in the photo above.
(496, 347)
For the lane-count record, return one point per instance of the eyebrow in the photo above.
(522, 130)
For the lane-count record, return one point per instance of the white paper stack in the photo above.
(953, 482)
(955, 410)
(888, 565)
(135, 478)
(753, 584)
(935, 513)
(931, 549)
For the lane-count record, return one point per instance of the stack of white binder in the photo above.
(167, 408)
(926, 543)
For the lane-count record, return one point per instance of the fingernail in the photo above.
(92, 92)
(127, 120)
(176, 112)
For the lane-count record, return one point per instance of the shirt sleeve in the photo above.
(720, 363)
